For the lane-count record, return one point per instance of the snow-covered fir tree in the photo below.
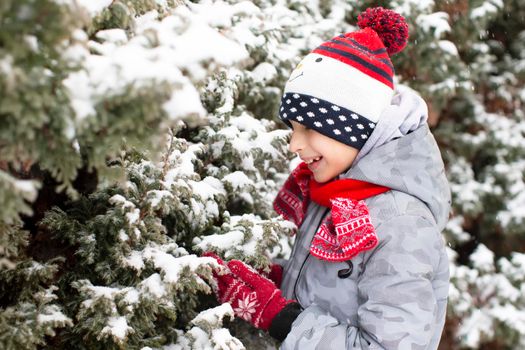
(136, 134)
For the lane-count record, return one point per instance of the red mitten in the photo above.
(276, 274)
(226, 281)
(258, 301)
(253, 297)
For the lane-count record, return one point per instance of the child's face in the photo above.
(334, 157)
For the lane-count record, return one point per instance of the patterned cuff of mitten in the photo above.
(282, 322)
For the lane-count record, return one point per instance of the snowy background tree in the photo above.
(137, 133)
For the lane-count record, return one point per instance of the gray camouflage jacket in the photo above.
(395, 295)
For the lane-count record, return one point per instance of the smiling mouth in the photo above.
(296, 77)
(310, 161)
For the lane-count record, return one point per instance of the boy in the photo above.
(369, 268)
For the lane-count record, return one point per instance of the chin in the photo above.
(322, 179)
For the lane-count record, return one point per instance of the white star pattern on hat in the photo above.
(327, 118)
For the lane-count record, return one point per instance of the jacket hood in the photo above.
(411, 164)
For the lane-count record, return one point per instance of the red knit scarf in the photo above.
(347, 230)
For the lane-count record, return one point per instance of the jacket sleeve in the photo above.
(397, 308)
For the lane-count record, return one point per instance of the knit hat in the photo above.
(340, 88)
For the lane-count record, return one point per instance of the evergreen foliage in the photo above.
(136, 134)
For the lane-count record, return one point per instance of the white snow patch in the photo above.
(437, 21)
(117, 327)
(54, 316)
(214, 316)
(153, 285)
(448, 47)
(220, 241)
(238, 180)
(482, 258)
(134, 260)
(94, 7)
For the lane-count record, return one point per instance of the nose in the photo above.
(297, 142)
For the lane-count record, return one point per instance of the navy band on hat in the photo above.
(326, 118)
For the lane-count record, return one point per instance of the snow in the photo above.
(123, 236)
(238, 180)
(53, 315)
(486, 8)
(436, 22)
(224, 340)
(185, 102)
(264, 72)
(120, 63)
(249, 248)
(206, 189)
(214, 316)
(482, 258)
(217, 48)
(117, 327)
(133, 216)
(475, 327)
(405, 7)
(29, 188)
(157, 196)
(132, 296)
(172, 266)
(134, 260)
(32, 42)
(449, 47)
(201, 338)
(220, 241)
(94, 7)
(115, 35)
(154, 285)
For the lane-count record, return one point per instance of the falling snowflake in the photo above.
(246, 307)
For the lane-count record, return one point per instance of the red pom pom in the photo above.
(389, 25)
